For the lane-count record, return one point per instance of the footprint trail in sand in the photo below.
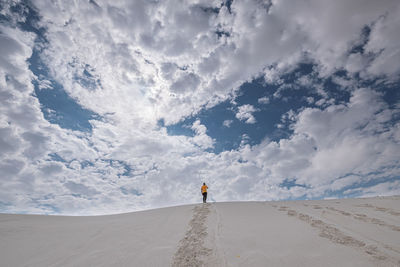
(191, 250)
(334, 234)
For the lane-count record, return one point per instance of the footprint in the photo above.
(335, 235)
(366, 219)
(382, 209)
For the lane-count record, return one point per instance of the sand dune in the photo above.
(345, 232)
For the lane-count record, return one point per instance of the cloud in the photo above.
(52, 168)
(382, 189)
(383, 42)
(204, 67)
(227, 123)
(80, 189)
(263, 100)
(201, 138)
(187, 82)
(245, 113)
(349, 139)
(150, 61)
(334, 142)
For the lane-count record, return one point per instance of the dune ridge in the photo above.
(341, 232)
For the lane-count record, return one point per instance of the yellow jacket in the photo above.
(204, 189)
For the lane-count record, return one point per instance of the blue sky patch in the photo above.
(57, 106)
(271, 124)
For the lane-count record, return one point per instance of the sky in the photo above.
(118, 106)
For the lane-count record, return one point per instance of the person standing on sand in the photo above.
(204, 192)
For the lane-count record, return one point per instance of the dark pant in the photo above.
(204, 197)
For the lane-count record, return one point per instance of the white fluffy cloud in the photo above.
(263, 100)
(170, 55)
(161, 60)
(335, 142)
(245, 113)
(227, 123)
(201, 138)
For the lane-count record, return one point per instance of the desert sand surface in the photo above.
(341, 232)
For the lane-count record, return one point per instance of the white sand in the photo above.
(346, 232)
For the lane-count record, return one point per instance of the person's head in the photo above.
(204, 183)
